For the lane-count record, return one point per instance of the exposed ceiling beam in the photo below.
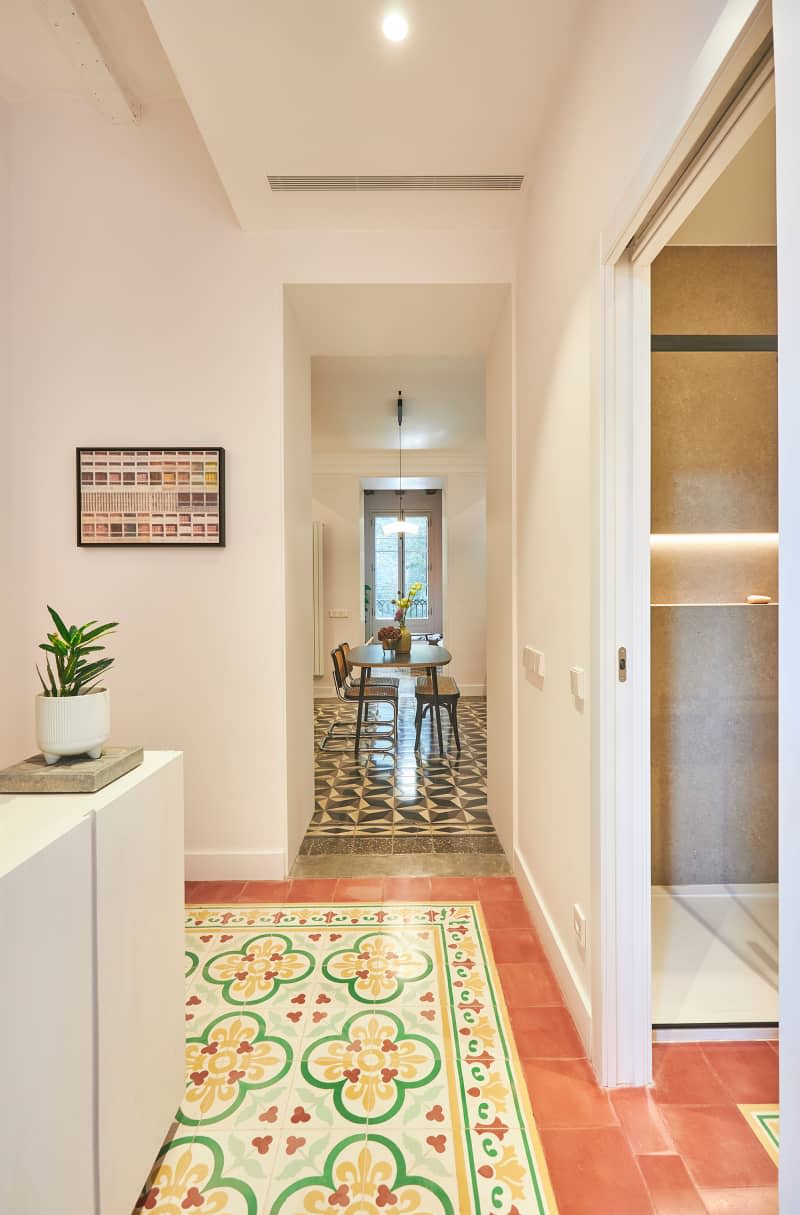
(79, 44)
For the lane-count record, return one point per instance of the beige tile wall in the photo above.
(714, 668)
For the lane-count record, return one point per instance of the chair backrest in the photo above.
(345, 648)
(339, 671)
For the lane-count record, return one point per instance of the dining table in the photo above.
(422, 656)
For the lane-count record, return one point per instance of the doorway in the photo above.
(739, 99)
(396, 560)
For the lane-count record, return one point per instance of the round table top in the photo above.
(422, 654)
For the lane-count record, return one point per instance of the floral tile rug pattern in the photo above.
(765, 1122)
(347, 1060)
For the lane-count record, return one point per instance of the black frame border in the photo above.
(221, 542)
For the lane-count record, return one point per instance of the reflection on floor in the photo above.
(715, 955)
(403, 801)
(683, 1145)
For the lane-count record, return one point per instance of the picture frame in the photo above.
(150, 496)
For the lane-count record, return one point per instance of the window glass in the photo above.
(416, 565)
(387, 568)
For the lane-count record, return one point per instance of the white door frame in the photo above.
(690, 162)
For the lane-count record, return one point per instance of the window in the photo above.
(398, 559)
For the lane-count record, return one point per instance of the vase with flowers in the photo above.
(389, 637)
(402, 607)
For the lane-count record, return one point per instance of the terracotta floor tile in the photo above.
(545, 1033)
(528, 984)
(354, 890)
(312, 890)
(670, 1186)
(718, 1147)
(594, 1173)
(565, 1095)
(216, 892)
(508, 913)
(412, 889)
(641, 1121)
(516, 945)
(498, 889)
(457, 888)
(753, 1201)
(265, 892)
(748, 1070)
(682, 1075)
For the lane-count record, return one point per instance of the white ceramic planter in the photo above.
(72, 725)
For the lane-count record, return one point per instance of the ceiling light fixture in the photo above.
(400, 524)
(395, 27)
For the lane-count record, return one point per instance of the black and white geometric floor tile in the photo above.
(400, 800)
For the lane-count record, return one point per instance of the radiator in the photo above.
(319, 605)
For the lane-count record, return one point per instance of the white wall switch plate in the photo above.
(533, 661)
(577, 682)
(579, 924)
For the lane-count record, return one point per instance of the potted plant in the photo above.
(389, 635)
(73, 713)
(401, 608)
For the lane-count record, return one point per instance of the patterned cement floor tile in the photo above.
(351, 1058)
(765, 1123)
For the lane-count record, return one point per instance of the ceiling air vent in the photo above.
(478, 181)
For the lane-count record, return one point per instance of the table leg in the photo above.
(437, 707)
(361, 689)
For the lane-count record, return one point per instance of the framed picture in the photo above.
(170, 497)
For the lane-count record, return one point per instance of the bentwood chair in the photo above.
(449, 696)
(376, 732)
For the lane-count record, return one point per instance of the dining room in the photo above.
(400, 716)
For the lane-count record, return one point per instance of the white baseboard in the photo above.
(472, 689)
(575, 995)
(324, 692)
(725, 1033)
(207, 866)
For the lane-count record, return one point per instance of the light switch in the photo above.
(577, 682)
(579, 926)
(533, 661)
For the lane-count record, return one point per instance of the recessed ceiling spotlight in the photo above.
(395, 27)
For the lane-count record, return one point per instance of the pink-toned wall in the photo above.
(141, 314)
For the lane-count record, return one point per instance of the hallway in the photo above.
(277, 1117)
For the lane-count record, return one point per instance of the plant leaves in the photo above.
(59, 623)
(98, 632)
(41, 681)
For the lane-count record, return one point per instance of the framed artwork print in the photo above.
(169, 497)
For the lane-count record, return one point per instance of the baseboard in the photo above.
(472, 689)
(575, 995)
(324, 692)
(208, 866)
(719, 1033)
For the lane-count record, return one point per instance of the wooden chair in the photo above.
(449, 696)
(376, 732)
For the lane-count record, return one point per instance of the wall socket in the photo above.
(579, 924)
(533, 661)
(338, 614)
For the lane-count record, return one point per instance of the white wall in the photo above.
(632, 60)
(142, 313)
(501, 640)
(338, 504)
(7, 621)
(786, 16)
(297, 589)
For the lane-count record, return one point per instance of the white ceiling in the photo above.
(420, 319)
(32, 63)
(354, 404)
(740, 208)
(305, 87)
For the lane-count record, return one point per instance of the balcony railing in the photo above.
(385, 609)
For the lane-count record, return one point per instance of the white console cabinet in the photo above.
(92, 1006)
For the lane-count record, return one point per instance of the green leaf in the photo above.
(41, 681)
(59, 623)
(98, 632)
(51, 677)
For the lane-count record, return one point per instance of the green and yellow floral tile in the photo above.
(348, 1058)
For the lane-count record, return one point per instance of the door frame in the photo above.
(723, 103)
(416, 502)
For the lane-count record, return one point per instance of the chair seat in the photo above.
(447, 687)
(373, 691)
(379, 682)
